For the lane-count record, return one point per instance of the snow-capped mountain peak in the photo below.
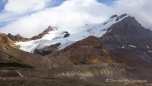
(70, 36)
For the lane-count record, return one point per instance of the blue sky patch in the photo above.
(55, 3)
(107, 2)
(2, 4)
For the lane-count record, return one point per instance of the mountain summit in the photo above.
(46, 31)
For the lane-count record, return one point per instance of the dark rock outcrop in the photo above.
(66, 34)
(121, 16)
(113, 16)
(47, 50)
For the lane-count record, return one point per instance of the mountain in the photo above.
(66, 38)
(118, 49)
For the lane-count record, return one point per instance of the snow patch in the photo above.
(49, 65)
(132, 46)
(123, 46)
(49, 61)
(20, 74)
(147, 46)
(150, 51)
(145, 53)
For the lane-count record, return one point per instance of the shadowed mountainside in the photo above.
(130, 43)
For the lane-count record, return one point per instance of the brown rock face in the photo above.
(130, 43)
(5, 41)
(17, 37)
(88, 51)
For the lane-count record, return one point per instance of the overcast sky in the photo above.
(30, 17)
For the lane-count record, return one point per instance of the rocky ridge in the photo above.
(50, 28)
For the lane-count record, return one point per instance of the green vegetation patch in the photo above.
(15, 65)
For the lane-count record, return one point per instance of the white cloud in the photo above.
(140, 9)
(74, 13)
(71, 14)
(22, 6)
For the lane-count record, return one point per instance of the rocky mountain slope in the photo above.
(10, 56)
(130, 42)
(5, 41)
(91, 61)
(88, 51)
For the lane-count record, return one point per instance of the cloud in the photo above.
(22, 6)
(140, 9)
(71, 14)
(74, 13)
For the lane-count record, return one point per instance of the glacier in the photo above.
(76, 34)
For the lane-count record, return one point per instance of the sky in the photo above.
(31, 17)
